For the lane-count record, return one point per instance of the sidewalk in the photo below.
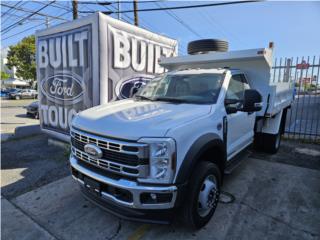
(17, 225)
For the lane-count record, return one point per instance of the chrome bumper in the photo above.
(133, 187)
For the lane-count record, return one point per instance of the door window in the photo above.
(236, 88)
(238, 84)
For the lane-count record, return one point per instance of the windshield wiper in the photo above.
(168, 99)
(141, 97)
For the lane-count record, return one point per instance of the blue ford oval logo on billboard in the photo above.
(62, 87)
(128, 87)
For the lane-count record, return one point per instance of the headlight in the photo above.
(162, 155)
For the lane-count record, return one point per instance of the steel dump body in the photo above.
(255, 63)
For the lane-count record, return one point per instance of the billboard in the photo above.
(65, 77)
(92, 61)
(132, 61)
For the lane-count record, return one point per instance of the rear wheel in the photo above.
(203, 195)
(272, 142)
(269, 143)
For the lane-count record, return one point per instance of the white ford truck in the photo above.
(166, 150)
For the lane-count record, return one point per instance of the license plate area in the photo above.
(92, 185)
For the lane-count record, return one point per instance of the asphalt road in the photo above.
(13, 115)
(276, 197)
(304, 117)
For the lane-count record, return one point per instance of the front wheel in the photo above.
(203, 195)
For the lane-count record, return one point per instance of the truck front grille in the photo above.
(125, 158)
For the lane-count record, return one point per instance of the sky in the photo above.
(292, 26)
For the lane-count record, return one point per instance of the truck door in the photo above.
(240, 124)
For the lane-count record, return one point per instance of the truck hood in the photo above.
(129, 119)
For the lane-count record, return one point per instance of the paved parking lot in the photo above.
(275, 198)
(13, 115)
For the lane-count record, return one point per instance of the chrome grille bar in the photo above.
(138, 149)
(133, 171)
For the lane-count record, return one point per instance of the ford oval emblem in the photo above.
(128, 87)
(93, 150)
(62, 88)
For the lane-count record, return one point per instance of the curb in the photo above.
(25, 131)
(6, 136)
(21, 132)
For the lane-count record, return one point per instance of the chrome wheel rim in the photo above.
(208, 195)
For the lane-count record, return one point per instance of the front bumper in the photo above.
(138, 194)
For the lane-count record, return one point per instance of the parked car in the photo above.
(4, 94)
(23, 94)
(166, 150)
(33, 109)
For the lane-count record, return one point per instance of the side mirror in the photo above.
(252, 101)
(231, 109)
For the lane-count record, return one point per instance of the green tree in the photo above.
(22, 56)
(4, 75)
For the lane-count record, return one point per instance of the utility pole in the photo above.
(119, 9)
(135, 7)
(75, 9)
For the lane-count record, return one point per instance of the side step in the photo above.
(236, 161)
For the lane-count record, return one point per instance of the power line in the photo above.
(222, 29)
(26, 18)
(113, 2)
(55, 5)
(100, 3)
(9, 10)
(179, 20)
(128, 17)
(12, 12)
(32, 27)
(31, 11)
(184, 7)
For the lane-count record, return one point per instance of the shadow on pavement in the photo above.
(29, 163)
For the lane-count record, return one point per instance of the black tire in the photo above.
(191, 215)
(36, 115)
(207, 45)
(269, 143)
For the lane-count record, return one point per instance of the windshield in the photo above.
(201, 88)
